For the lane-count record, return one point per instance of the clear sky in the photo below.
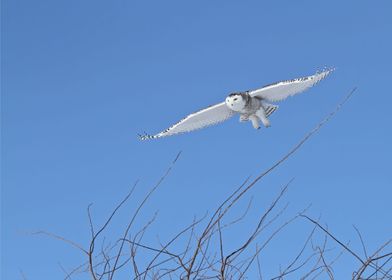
(80, 79)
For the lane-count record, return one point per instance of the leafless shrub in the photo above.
(204, 253)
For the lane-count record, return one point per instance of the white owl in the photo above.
(250, 105)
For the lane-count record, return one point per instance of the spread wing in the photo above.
(281, 90)
(203, 118)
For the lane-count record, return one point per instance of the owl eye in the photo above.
(235, 99)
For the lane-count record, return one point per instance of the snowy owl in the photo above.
(251, 105)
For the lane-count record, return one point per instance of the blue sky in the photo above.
(81, 78)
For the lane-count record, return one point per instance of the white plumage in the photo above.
(251, 105)
(281, 90)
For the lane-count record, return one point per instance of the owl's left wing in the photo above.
(284, 89)
(209, 116)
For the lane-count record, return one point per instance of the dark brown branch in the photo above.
(361, 239)
(262, 219)
(92, 243)
(334, 238)
(138, 210)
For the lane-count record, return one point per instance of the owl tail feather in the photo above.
(270, 108)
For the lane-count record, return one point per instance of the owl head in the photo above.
(237, 101)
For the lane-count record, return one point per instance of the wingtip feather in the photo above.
(145, 136)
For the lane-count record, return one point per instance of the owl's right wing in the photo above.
(209, 116)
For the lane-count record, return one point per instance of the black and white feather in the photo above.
(281, 90)
(251, 105)
(209, 116)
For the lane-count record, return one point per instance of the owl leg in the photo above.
(244, 118)
(263, 117)
(255, 121)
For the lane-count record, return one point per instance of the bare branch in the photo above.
(138, 210)
(362, 243)
(55, 236)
